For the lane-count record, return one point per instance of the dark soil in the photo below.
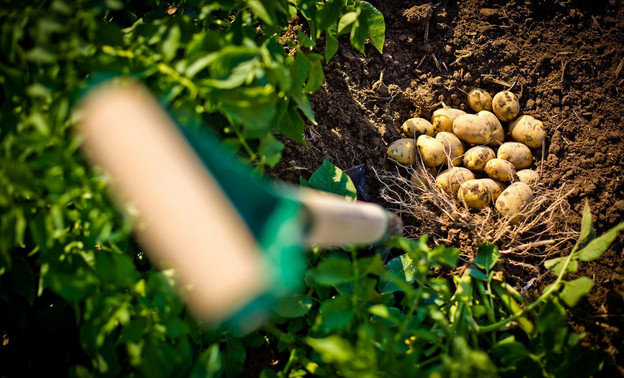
(565, 61)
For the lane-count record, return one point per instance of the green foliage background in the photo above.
(75, 289)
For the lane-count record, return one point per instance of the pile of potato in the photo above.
(481, 166)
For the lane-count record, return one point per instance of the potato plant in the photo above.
(396, 307)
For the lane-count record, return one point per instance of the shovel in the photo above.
(236, 241)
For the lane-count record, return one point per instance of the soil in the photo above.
(564, 59)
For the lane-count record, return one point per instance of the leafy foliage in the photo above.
(67, 255)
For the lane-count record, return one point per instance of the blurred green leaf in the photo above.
(574, 290)
(293, 306)
(333, 271)
(332, 348)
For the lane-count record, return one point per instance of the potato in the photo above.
(451, 179)
(476, 158)
(528, 130)
(498, 133)
(453, 147)
(475, 194)
(472, 129)
(479, 99)
(442, 119)
(495, 187)
(517, 153)
(528, 176)
(501, 170)
(506, 106)
(415, 127)
(403, 151)
(514, 200)
(431, 151)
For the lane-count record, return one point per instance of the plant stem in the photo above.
(554, 287)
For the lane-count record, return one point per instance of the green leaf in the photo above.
(446, 256)
(171, 43)
(346, 20)
(552, 325)
(556, 265)
(332, 348)
(376, 25)
(333, 272)
(326, 15)
(332, 179)
(335, 313)
(487, 255)
(264, 9)
(316, 75)
(291, 124)
(331, 45)
(304, 40)
(359, 32)
(574, 290)
(595, 248)
(271, 150)
(303, 104)
(293, 306)
(298, 70)
(477, 274)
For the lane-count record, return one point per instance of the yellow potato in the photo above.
(442, 119)
(453, 147)
(475, 194)
(498, 133)
(431, 151)
(517, 153)
(506, 106)
(451, 179)
(528, 176)
(420, 178)
(476, 158)
(472, 129)
(500, 170)
(528, 130)
(415, 127)
(403, 151)
(479, 99)
(514, 200)
(495, 187)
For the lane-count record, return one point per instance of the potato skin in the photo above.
(442, 119)
(472, 129)
(403, 151)
(453, 147)
(528, 130)
(500, 170)
(506, 106)
(495, 187)
(451, 179)
(514, 200)
(517, 153)
(475, 194)
(498, 133)
(479, 99)
(415, 127)
(528, 176)
(431, 151)
(476, 158)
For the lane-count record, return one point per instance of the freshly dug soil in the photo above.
(564, 59)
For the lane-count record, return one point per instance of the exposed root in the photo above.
(414, 195)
